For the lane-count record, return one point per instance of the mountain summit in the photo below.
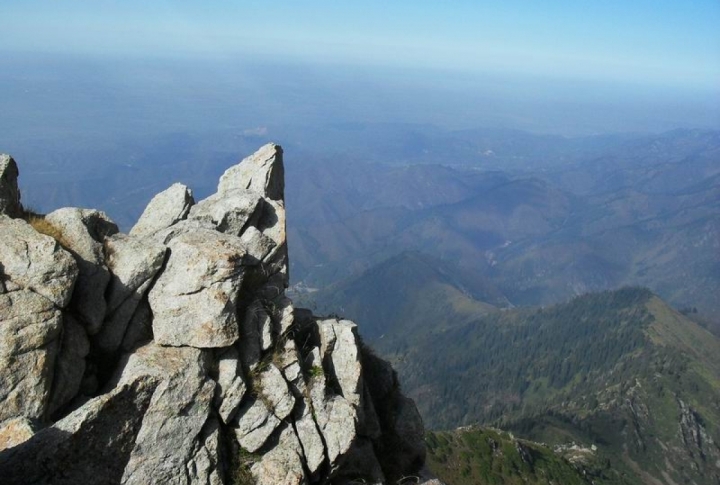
(172, 355)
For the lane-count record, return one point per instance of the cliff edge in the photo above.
(172, 355)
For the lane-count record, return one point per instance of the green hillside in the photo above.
(619, 370)
(493, 457)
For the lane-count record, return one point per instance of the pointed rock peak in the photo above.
(262, 172)
(164, 210)
(9, 192)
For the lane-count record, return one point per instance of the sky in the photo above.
(659, 42)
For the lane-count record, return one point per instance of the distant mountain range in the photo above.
(637, 211)
(617, 370)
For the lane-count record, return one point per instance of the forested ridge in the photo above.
(619, 370)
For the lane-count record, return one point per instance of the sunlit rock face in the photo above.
(172, 355)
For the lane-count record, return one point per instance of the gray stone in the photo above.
(283, 464)
(205, 465)
(284, 314)
(164, 236)
(310, 438)
(15, 431)
(262, 172)
(133, 263)
(339, 342)
(336, 418)
(258, 245)
(305, 426)
(227, 212)
(194, 299)
(275, 392)
(254, 424)
(9, 192)
(259, 417)
(177, 424)
(231, 387)
(83, 231)
(70, 364)
(164, 210)
(35, 262)
(30, 329)
(272, 225)
(89, 446)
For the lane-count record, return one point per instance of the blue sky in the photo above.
(673, 42)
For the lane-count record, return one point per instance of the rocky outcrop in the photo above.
(172, 355)
(164, 210)
(35, 262)
(9, 192)
(82, 234)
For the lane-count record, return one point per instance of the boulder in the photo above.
(194, 301)
(274, 390)
(35, 262)
(304, 422)
(177, 428)
(273, 402)
(228, 212)
(271, 224)
(82, 232)
(340, 347)
(253, 425)
(90, 446)
(133, 264)
(164, 210)
(9, 192)
(258, 245)
(283, 464)
(262, 172)
(30, 328)
(336, 418)
(231, 388)
(310, 438)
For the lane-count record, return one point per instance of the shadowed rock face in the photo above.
(172, 355)
(9, 192)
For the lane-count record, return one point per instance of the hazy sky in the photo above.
(673, 42)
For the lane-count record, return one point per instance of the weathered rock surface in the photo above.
(9, 192)
(90, 446)
(164, 210)
(263, 173)
(35, 262)
(15, 431)
(133, 263)
(283, 463)
(228, 212)
(30, 328)
(178, 414)
(231, 386)
(83, 232)
(194, 301)
(223, 380)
